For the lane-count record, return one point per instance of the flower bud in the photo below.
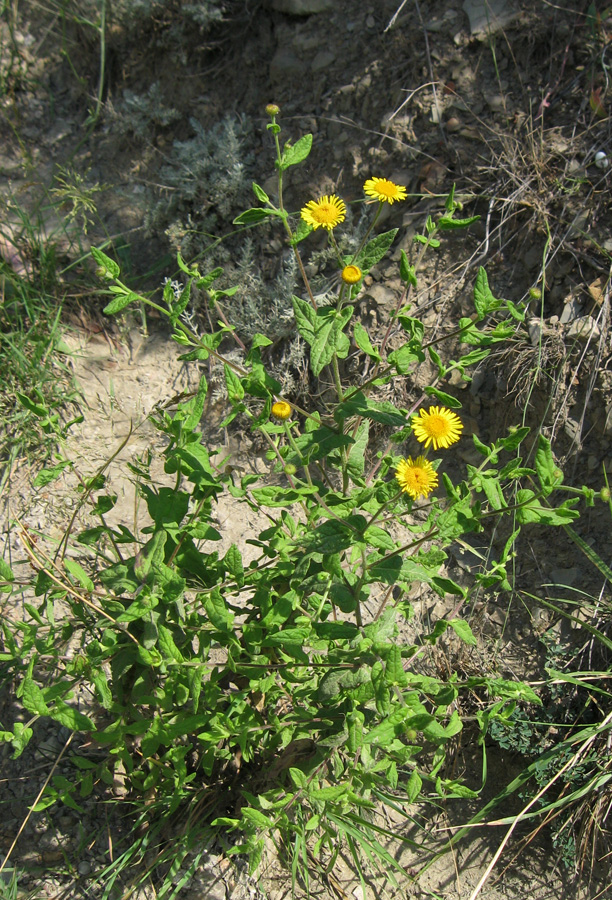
(535, 293)
(604, 495)
(351, 274)
(272, 110)
(281, 409)
(290, 469)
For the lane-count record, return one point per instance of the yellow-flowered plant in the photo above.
(275, 696)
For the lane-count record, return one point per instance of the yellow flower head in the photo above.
(281, 409)
(437, 426)
(326, 212)
(416, 477)
(351, 274)
(384, 190)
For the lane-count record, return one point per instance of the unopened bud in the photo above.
(281, 409)
(535, 293)
(604, 495)
(272, 110)
(290, 469)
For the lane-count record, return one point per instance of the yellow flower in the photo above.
(351, 274)
(384, 190)
(416, 477)
(437, 426)
(281, 409)
(326, 212)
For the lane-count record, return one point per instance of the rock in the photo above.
(322, 60)
(571, 311)
(300, 7)
(381, 295)
(488, 16)
(495, 102)
(565, 577)
(584, 328)
(535, 329)
(285, 64)
(453, 124)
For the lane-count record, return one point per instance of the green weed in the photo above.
(273, 699)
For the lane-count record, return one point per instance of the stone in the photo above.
(300, 7)
(285, 64)
(322, 60)
(565, 577)
(583, 329)
(488, 16)
(381, 295)
(571, 311)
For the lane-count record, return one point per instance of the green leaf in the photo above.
(255, 215)
(103, 260)
(70, 718)
(36, 408)
(484, 301)
(150, 556)
(177, 307)
(233, 564)
(356, 459)
(329, 793)
(381, 689)
(274, 495)
(413, 786)
(287, 637)
(447, 223)
(78, 573)
(46, 476)
(329, 338)
(516, 437)
(138, 609)
(260, 193)
(362, 339)
(216, 609)
(235, 391)
(463, 631)
(475, 356)
(493, 492)
(291, 156)
(338, 681)
(549, 474)
(33, 698)
(167, 645)
(6, 574)
(207, 280)
(256, 817)
(331, 537)
(447, 399)
(303, 229)
(394, 668)
(405, 356)
(375, 250)
(195, 407)
(531, 511)
(305, 318)
(436, 358)
(382, 411)
(120, 302)
(390, 728)
(407, 271)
